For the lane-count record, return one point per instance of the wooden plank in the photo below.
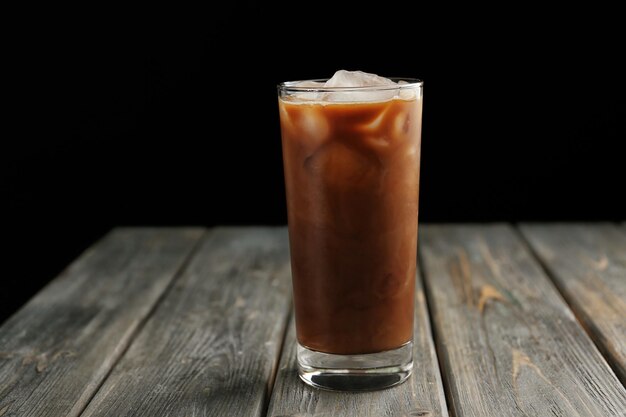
(507, 341)
(212, 345)
(421, 395)
(55, 351)
(587, 262)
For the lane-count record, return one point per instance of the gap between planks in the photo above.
(281, 351)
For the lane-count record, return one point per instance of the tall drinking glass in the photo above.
(351, 160)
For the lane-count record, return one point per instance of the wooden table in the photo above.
(510, 321)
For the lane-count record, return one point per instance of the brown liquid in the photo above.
(352, 177)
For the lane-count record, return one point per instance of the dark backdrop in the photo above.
(167, 118)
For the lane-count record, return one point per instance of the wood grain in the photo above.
(212, 345)
(421, 395)
(588, 264)
(508, 343)
(55, 351)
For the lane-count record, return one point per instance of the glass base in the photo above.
(366, 372)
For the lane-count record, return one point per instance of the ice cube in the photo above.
(313, 127)
(401, 124)
(307, 95)
(352, 81)
(406, 93)
(343, 78)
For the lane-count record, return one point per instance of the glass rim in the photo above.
(292, 86)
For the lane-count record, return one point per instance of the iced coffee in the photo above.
(351, 151)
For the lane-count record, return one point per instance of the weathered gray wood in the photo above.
(212, 345)
(508, 343)
(421, 395)
(57, 349)
(588, 264)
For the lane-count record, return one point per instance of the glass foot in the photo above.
(372, 371)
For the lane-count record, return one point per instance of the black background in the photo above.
(166, 117)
